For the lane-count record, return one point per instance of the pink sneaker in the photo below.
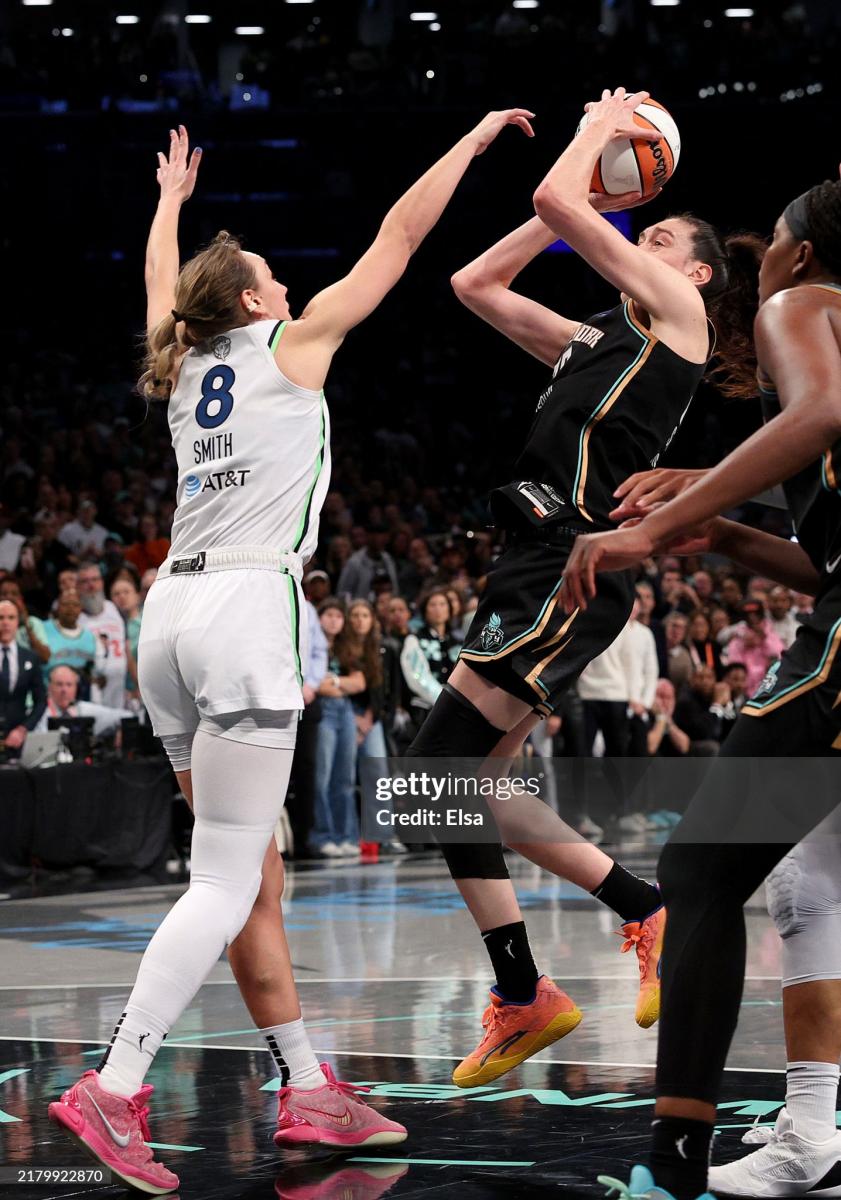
(113, 1130)
(332, 1116)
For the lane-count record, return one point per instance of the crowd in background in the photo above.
(85, 523)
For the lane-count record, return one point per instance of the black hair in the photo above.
(823, 210)
(731, 298)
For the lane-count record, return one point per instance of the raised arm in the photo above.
(562, 202)
(484, 286)
(177, 178)
(333, 312)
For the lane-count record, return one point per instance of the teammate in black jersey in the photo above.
(622, 382)
(709, 869)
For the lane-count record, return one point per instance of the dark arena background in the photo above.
(314, 116)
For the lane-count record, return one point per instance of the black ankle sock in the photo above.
(630, 897)
(516, 974)
(680, 1155)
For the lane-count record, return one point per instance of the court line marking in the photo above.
(42, 987)
(563, 1062)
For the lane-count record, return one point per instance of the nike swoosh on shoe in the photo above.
(122, 1139)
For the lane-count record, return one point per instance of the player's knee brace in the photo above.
(179, 747)
(455, 729)
(483, 860)
(804, 901)
(241, 912)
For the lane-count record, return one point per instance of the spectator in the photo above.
(646, 603)
(605, 689)
(457, 626)
(803, 605)
(731, 596)
(699, 712)
(399, 615)
(428, 656)
(338, 553)
(151, 548)
(301, 802)
(676, 626)
(11, 543)
(676, 595)
(703, 649)
(83, 537)
(146, 581)
(336, 825)
(67, 581)
(22, 692)
(103, 619)
(62, 701)
(381, 607)
(125, 596)
(704, 588)
(719, 622)
(316, 586)
(755, 644)
(357, 577)
(363, 639)
(30, 631)
(644, 675)
(736, 678)
(781, 619)
(419, 569)
(71, 645)
(665, 738)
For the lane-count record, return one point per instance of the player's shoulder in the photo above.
(791, 303)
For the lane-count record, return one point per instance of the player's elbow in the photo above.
(465, 284)
(552, 206)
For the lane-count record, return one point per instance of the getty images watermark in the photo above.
(720, 800)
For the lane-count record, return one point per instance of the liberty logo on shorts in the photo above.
(491, 636)
(221, 347)
(769, 682)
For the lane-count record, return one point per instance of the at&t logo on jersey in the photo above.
(215, 481)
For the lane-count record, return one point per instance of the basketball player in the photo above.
(705, 875)
(249, 425)
(621, 384)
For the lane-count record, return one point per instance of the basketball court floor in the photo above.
(393, 980)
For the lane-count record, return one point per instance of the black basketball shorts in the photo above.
(520, 638)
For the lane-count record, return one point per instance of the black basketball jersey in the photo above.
(813, 495)
(616, 400)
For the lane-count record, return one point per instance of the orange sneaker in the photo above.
(647, 937)
(514, 1032)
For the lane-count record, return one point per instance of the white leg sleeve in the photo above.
(238, 793)
(804, 899)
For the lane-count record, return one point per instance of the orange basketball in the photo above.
(629, 165)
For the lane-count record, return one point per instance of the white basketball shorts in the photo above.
(220, 642)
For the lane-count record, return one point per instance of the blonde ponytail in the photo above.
(207, 303)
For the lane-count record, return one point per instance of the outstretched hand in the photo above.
(646, 490)
(594, 552)
(488, 128)
(177, 171)
(614, 114)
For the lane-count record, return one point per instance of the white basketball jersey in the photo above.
(253, 448)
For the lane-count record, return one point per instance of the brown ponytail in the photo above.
(207, 303)
(732, 299)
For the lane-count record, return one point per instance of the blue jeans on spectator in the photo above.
(374, 745)
(336, 819)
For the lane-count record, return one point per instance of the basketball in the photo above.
(629, 165)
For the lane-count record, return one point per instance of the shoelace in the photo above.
(642, 940)
(350, 1090)
(490, 1020)
(140, 1110)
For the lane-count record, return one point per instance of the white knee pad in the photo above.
(804, 900)
(274, 728)
(179, 748)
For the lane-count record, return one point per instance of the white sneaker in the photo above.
(396, 847)
(349, 849)
(788, 1165)
(590, 830)
(331, 850)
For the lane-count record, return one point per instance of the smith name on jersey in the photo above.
(253, 448)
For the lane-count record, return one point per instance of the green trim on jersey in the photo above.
(294, 612)
(319, 463)
(759, 705)
(277, 334)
